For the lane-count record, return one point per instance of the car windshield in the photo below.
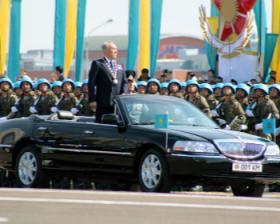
(142, 111)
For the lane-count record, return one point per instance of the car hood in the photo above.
(215, 134)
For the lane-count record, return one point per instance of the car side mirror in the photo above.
(112, 119)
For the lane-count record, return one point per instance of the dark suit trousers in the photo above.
(100, 111)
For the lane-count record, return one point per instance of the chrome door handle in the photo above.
(87, 132)
(42, 129)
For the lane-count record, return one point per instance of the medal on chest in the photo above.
(113, 67)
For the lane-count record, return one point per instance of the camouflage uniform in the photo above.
(84, 107)
(265, 108)
(44, 103)
(7, 100)
(58, 95)
(178, 94)
(24, 104)
(232, 112)
(277, 102)
(244, 102)
(67, 102)
(211, 100)
(200, 102)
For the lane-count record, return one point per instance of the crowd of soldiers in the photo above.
(25, 97)
(234, 107)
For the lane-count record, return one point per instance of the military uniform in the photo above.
(211, 100)
(178, 94)
(44, 104)
(67, 102)
(244, 102)
(24, 104)
(85, 109)
(200, 102)
(232, 112)
(7, 100)
(265, 108)
(58, 95)
(277, 102)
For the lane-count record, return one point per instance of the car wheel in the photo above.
(248, 190)
(28, 168)
(153, 173)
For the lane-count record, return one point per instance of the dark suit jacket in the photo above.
(101, 87)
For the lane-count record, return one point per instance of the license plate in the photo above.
(247, 167)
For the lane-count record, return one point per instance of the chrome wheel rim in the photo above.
(151, 171)
(27, 169)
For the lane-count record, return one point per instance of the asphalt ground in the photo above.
(27, 206)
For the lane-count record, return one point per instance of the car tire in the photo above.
(153, 175)
(248, 190)
(28, 169)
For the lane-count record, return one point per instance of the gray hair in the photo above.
(106, 44)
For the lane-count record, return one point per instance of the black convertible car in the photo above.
(128, 148)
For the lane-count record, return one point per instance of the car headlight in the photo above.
(272, 150)
(194, 146)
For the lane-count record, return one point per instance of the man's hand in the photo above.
(93, 106)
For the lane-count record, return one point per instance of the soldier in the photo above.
(164, 89)
(46, 100)
(21, 109)
(231, 112)
(183, 85)
(153, 87)
(82, 107)
(265, 108)
(131, 85)
(35, 90)
(78, 90)
(56, 88)
(242, 94)
(68, 99)
(274, 94)
(141, 87)
(17, 89)
(218, 91)
(206, 91)
(174, 88)
(192, 95)
(7, 97)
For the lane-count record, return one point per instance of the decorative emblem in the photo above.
(234, 14)
(236, 26)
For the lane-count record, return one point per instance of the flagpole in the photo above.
(166, 140)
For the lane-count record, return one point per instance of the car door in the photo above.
(106, 145)
(59, 140)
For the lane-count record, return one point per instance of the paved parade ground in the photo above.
(51, 206)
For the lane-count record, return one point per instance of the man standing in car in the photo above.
(106, 80)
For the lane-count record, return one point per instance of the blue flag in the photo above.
(269, 126)
(161, 121)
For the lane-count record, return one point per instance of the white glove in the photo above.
(214, 113)
(33, 110)
(243, 127)
(250, 113)
(74, 111)
(14, 109)
(3, 118)
(54, 109)
(259, 126)
(227, 127)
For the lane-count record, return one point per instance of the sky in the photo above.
(179, 17)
